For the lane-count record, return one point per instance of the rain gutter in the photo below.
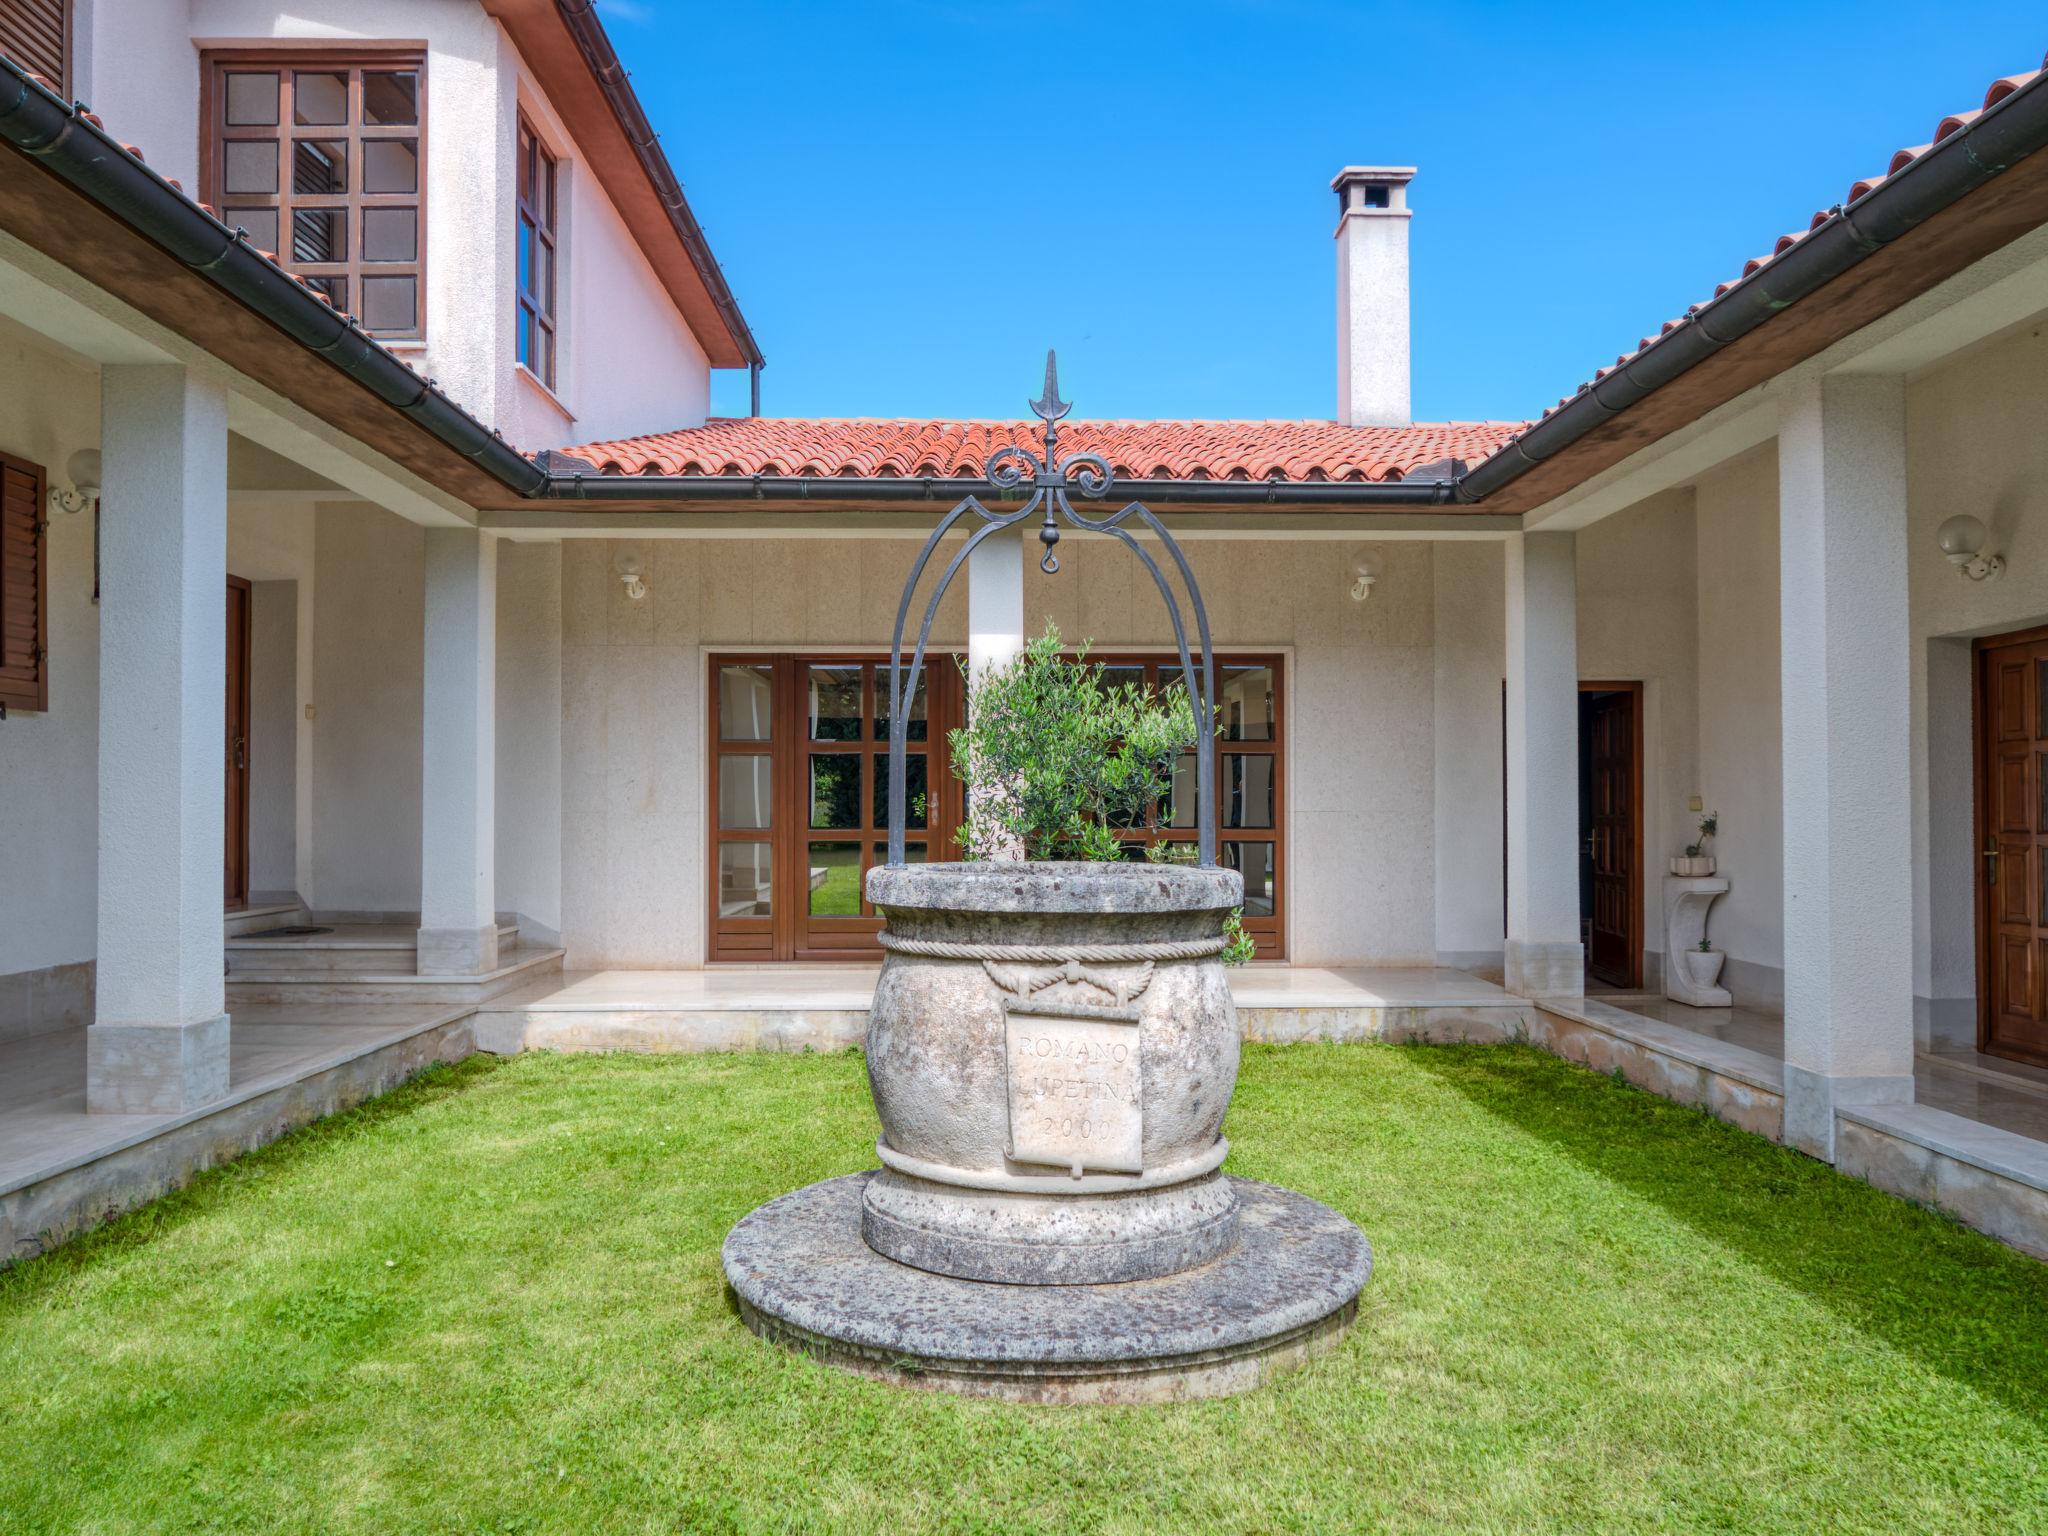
(590, 486)
(40, 124)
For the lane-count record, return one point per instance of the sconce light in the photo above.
(1962, 541)
(84, 470)
(630, 577)
(1361, 589)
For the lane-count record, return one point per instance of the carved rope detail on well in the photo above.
(1026, 984)
(1053, 954)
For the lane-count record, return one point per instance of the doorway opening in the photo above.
(1611, 832)
(2011, 752)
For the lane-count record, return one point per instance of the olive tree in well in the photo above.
(1057, 761)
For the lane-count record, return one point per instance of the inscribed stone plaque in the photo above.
(1074, 1086)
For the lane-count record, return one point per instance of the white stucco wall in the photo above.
(270, 542)
(529, 724)
(1470, 655)
(1361, 691)
(1973, 444)
(49, 766)
(1637, 596)
(1740, 775)
(367, 697)
(630, 364)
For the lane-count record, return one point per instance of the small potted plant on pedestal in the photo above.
(1696, 862)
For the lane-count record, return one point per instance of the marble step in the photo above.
(520, 965)
(263, 914)
(377, 949)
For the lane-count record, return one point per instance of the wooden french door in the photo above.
(236, 746)
(1614, 832)
(2012, 832)
(798, 798)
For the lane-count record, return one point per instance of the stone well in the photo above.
(1052, 1049)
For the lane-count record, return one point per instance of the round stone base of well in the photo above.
(1288, 1290)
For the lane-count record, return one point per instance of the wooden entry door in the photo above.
(1614, 832)
(2012, 829)
(240, 603)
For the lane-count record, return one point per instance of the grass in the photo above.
(491, 1302)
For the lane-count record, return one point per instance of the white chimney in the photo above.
(1372, 294)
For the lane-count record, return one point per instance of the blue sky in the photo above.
(913, 200)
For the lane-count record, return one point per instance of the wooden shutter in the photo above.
(36, 34)
(24, 583)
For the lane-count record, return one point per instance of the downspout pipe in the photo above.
(58, 136)
(2006, 133)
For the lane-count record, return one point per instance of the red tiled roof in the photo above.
(1996, 92)
(1138, 450)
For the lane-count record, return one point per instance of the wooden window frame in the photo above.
(1268, 933)
(18, 692)
(66, 23)
(537, 313)
(215, 135)
(791, 932)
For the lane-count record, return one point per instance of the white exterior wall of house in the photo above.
(629, 363)
(1470, 817)
(1973, 444)
(49, 409)
(1636, 624)
(367, 694)
(1361, 687)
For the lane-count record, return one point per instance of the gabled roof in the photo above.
(1286, 451)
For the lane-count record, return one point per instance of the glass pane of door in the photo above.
(745, 880)
(745, 791)
(744, 697)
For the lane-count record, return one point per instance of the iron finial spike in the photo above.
(1051, 408)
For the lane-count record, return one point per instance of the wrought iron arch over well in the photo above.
(1050, 478)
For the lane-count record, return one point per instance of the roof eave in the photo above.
(570, 54)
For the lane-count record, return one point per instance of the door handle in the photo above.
(241, 752)
(1991, 865)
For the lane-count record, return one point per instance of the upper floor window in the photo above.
(538, 209)
(321, 157)
(36, 34)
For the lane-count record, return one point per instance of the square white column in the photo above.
(1544, 956)
(995, 621)
(458, 767)
(995, 601)
(159, 1039)
(1846, 678)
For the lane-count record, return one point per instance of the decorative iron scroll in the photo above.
(1051, 478)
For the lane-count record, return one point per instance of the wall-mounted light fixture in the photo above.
(1361, 588)
(630, 576)
(1962, 540)
(84, 469)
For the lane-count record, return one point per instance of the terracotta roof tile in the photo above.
(1167, 450)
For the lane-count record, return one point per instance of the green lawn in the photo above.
(491, 1302)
